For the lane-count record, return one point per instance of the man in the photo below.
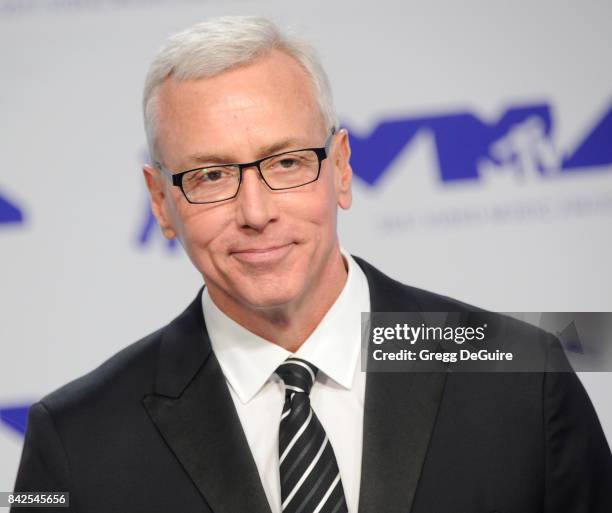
(252, 399)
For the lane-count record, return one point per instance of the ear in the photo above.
(344, 172)
(159, 200)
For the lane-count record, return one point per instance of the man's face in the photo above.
(263, 248)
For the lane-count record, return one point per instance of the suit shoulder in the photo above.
(406, 297)
(433, 302)
(400, 297)
(129, 372)
(520, 334)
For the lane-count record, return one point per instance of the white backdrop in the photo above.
(482, 151)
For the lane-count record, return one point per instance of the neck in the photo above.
(289, 325)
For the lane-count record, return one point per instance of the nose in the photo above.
(256, 206)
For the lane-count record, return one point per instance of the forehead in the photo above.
(258, 103)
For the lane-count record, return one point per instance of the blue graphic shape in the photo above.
(372, 155)
(15, 417)
(9, 212)
(595, 149)
(150, 228)
(462, 140)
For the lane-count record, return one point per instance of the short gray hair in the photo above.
(217, 45)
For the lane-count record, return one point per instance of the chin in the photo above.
(272, 293)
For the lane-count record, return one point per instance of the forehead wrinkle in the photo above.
(286, 144)
(261, 145)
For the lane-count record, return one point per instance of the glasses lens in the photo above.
(291, 169)
(211, 184)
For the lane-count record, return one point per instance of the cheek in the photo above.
(202, 229)
(316, 204)
(312, 212)
(307, 216)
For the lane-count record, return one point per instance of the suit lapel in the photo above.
(399, 415)
(195, 414)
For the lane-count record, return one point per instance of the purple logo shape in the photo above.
(15, 417)
(522, 137)
(9, 212)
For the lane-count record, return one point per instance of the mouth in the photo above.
(262, 255)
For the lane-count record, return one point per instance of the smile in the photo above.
(266, 256)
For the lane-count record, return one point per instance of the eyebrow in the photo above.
(264, 151)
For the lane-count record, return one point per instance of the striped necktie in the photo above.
(309, 475)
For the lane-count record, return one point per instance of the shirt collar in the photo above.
(248, 360)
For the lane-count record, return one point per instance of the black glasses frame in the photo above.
(177, 178)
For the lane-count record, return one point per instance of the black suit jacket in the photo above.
(154, 429)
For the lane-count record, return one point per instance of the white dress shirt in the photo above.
(337, 396)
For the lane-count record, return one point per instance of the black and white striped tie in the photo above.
(309, 476)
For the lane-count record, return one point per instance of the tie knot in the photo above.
(298, 374)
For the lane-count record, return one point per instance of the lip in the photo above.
(266, 256)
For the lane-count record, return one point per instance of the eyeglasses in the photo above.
(286, 170)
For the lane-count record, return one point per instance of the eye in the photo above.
(211, 175)
(284, 163)
(215, 174)
(288, 162)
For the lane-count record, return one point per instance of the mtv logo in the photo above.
(520, 139)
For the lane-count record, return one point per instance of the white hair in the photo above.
(217, 45)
